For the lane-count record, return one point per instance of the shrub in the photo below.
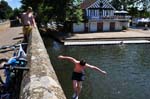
(124, 28)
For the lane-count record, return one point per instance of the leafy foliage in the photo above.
(57, 10)
(74, 12)
(136, 8)
(68, 11)
(16, 13)
(5, 10)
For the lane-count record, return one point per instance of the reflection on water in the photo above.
(128, 68)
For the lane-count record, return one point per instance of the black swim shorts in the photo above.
(78, 76)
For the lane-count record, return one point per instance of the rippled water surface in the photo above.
(128, 68)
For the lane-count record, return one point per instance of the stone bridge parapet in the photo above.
(41, 81)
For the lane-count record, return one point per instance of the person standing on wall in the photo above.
(28, 22)
(78, 74)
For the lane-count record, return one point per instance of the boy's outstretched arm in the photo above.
(71, 59)
(96, 68)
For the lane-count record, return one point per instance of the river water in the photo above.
(128, 68)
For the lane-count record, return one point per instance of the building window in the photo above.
(107, 13)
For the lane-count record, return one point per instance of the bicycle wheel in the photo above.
(3, 61)
(2, 74)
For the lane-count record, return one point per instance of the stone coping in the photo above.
(41, 81)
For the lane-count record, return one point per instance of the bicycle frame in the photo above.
(5, 96)
(8, 89)
(18, 60)
(20, 53)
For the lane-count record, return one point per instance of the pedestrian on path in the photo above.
(78, 74)
(28, 22)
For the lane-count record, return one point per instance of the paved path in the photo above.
(10, 36)
(131, 33)
(129, 36)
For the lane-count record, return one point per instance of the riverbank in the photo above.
(128, 34)
(132, 35)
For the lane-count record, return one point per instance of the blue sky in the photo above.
(14, 3)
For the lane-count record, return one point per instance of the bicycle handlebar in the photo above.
(14, 68)
(11, 46)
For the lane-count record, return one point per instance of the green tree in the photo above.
(5, 10)
(60, 11)
(16, 13)
(133, 11)
(74, 12)
(122, 4)
(144, 4)
(136, 8)
(44, 12)
(57, 10)
(116, 4)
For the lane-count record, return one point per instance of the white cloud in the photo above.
(14, 3)
(8, 0)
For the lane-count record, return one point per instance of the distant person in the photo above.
(28, 22)
(146, 27)
(78, 74)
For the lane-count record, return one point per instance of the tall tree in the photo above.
(16, 13)
(136, 8)
(58, 10)
(5, 10)
(122, 4)
(73, 11)
(143, 4)
(140, 4)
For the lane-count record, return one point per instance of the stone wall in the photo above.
(4, 25)
(41, 81)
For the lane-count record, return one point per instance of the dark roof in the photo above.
(95, 4)
(87, 3)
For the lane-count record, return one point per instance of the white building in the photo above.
(101, 16)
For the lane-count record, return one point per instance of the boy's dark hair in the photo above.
(82, 62)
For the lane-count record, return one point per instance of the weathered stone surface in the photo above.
(41, 81)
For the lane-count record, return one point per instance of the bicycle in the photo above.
(19, 54)
(18, 60)
(14, 47)
(7, 91)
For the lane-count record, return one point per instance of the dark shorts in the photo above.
(78, 76)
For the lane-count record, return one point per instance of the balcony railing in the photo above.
(108, 17)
